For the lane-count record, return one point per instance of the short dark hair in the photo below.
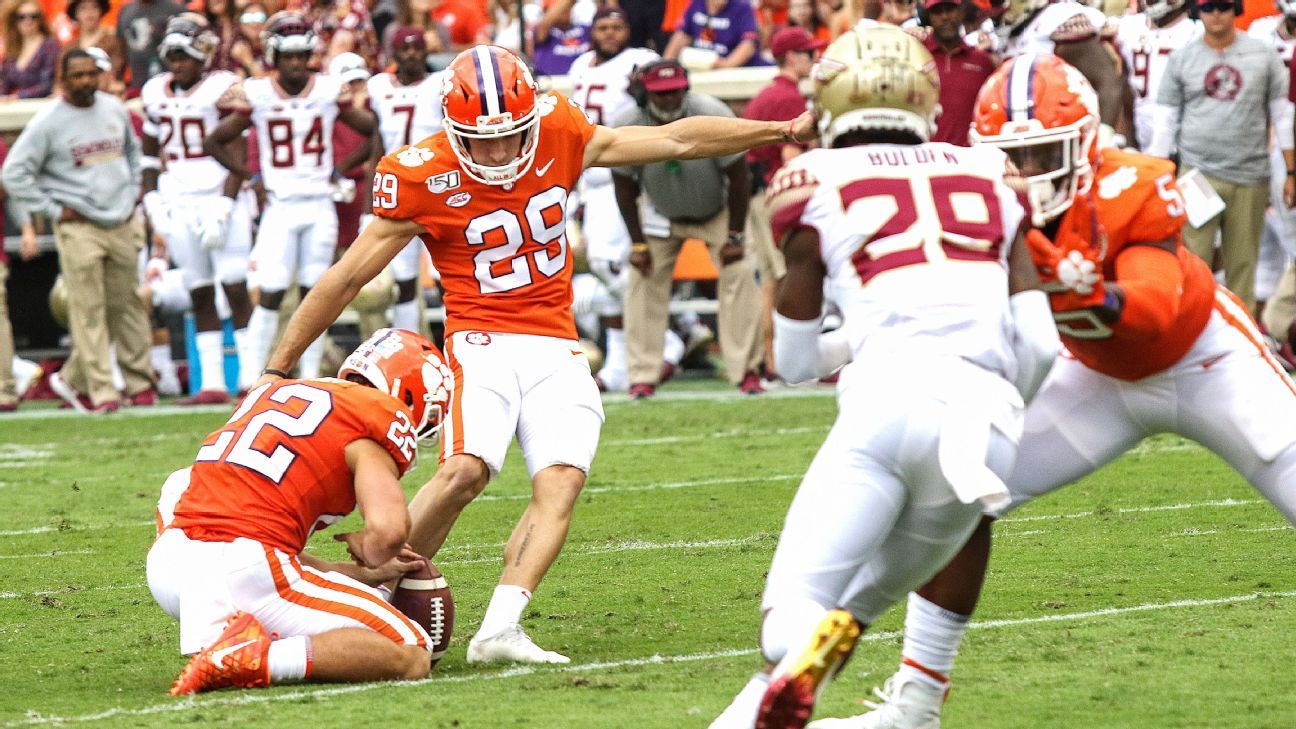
(73, 4)
(72, 55)
(857, 137)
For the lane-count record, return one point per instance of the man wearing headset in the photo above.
(705, 199)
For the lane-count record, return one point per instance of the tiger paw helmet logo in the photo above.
(481, 338)
(545, 104)
(413, 156)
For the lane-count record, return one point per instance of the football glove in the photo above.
(214, 222)
(344, 190)
(1072, 276)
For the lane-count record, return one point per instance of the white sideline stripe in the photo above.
(66, 591)
(53, 553)
(608, 399)
(653, 486)
(244, 699)
(732, 433)
(633, 546)
(1137, 510)
(87, 528)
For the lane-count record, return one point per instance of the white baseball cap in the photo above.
(348, 67)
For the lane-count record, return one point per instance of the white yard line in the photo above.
(52, 553)
(631, 546)
(319, 694)
(732, 433)
(1136, 510)
(69, 592)
(612, 489)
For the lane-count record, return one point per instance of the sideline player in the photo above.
(1155, 345)
(191, 203)
(487, 195)
(293, 110)
(407, 102)
(297, 456)
(1278, 241)
(941, 304)
(600, 80)
(1145, 41)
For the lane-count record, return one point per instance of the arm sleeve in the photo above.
(801, 353)
(1152, 281)
(20, 170)
(1165, 129)
(131, 146)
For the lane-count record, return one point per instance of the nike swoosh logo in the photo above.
(218, 657)
(1213, 360)
(540, 171)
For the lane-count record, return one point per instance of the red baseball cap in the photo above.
(408, 35)
(929, 4)
(793, 39)
(665, 76)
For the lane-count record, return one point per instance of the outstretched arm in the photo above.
(377, 245)
(217, 144)
(691, 138)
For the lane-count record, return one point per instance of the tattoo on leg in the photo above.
(523, 547)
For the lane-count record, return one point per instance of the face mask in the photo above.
(662, 115)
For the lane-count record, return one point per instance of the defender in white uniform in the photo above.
(920, 242)
(600, 86)
(1145, 41)
(408, 106)
(1278, 242)
(190, 198)
(293, 111)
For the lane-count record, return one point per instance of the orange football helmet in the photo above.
(410, 369)
(1044, 114)
(489, 93)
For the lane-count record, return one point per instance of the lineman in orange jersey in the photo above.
(298, 455)
(1153, 345)
(487, 195)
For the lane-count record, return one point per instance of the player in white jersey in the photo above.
(1071, 30)
(1145, 41)
(1278, 243)
(190, 198)
(293, 111)
(407, 103)
(600, 86)
(944, 332)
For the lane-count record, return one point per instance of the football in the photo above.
(424, 597)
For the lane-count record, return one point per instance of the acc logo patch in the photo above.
(413, 156)
(458, 200)
(481, 338)
(443, 182)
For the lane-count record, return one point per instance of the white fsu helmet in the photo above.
(1158, 9)
(190, 33)
(287, 32)
(409, 368)
(876, 78)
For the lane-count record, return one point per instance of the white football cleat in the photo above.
(511, 645)
(905, 704)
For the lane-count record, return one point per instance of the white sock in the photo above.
(505, 609)
(160, 358)
(261, 329)
(673, 350)
(615, 376)
(309, 364)
(248, 372)
(211, 358)
(406, 316)
(742, 711)
(290, 658)
(931, 641)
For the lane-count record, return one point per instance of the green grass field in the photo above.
(1157, 593)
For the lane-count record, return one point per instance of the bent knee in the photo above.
(464, 477)
(416, 663)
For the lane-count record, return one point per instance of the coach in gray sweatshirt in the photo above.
(77, 163)
(1218, 99)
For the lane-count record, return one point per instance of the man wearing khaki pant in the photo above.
(78, 164)
(705, 199)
